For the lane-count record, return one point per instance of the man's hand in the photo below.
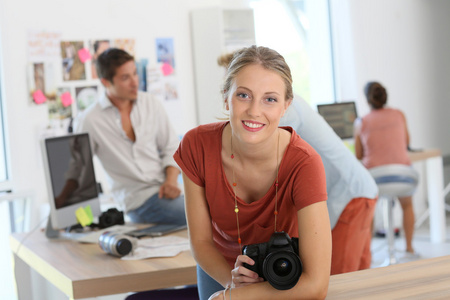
(169, 190)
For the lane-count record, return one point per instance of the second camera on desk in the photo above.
(117, 244)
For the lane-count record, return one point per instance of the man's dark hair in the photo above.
(108, 62)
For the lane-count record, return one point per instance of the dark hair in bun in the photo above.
(376, 94)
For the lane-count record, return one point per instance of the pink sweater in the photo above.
(383, 138)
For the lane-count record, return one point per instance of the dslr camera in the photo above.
(111, 217)
(276, 261)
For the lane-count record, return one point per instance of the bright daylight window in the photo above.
(300, 31)
(4, 174)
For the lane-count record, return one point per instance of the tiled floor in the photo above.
(421, 244)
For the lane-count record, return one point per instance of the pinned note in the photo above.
(88, 211)
(166, 69)
(66, 99)
(84, 55)
(84, 215)
(39, 97)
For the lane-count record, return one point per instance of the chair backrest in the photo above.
(395, 180)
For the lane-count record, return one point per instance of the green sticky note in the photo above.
(88, 211)
(82, 217)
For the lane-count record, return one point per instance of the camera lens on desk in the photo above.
(116, 244)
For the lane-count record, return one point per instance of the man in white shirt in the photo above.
(132, 136)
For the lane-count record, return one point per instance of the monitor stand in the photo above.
(52, 233)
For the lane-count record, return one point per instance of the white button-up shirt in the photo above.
(135, 169)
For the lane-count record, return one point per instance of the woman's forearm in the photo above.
(212, 261)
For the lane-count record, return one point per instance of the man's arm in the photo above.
(169, 189)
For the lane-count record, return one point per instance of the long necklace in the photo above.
(236, 208)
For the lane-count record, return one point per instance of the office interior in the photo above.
(404, 44)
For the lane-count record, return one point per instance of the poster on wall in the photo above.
(162, 80)
(42, 84)
(97, 47)
(165, 55)
(43, 46)
(43, 52)
(85, 96)
(127, 45)
(60, 108)
(72, 66)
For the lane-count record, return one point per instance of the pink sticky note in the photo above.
(66, 99)
(84, 55)
(166, 69)
(39, 97)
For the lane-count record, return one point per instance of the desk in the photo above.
(435, 186)
(422, 279)
(84, 270)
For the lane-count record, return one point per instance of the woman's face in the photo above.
(256, 102)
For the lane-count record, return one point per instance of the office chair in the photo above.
(393, 181)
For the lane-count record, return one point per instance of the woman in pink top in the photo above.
(381, 138)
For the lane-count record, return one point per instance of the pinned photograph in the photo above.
(73, 68)
(61, 107)
(97, 47)
(85, 96)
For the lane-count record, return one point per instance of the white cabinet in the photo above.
(216, 31)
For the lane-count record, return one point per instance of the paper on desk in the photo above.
(165, 246)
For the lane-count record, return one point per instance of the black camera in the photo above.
(276, 261)
(111, 217)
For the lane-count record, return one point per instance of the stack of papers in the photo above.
(165, 246)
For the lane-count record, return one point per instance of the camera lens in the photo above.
(282, 267)
(115, 243)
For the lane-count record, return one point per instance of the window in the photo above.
(300, 31)
(4, 167)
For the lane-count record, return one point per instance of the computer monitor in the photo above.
(70, 177)
(340, 116)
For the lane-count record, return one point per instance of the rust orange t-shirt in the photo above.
(301, 180)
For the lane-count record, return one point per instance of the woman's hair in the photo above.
(266, 57)
(376, 94)
(225, 59)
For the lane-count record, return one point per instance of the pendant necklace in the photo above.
(236, 208)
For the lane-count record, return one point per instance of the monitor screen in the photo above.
(340, 116)
(70, 178)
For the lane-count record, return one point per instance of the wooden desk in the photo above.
(435, 188)
(422, 279)
(84, 270)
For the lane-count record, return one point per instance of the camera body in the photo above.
(276, 261)
(117, 244)
(111, 217)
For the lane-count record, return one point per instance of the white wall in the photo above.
(404, 45)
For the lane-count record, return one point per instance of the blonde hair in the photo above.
(225, 59)
(266, 57)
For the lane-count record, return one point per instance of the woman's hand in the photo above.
(240, 275)
(217, 296)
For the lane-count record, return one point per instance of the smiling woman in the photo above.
(260, 182)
